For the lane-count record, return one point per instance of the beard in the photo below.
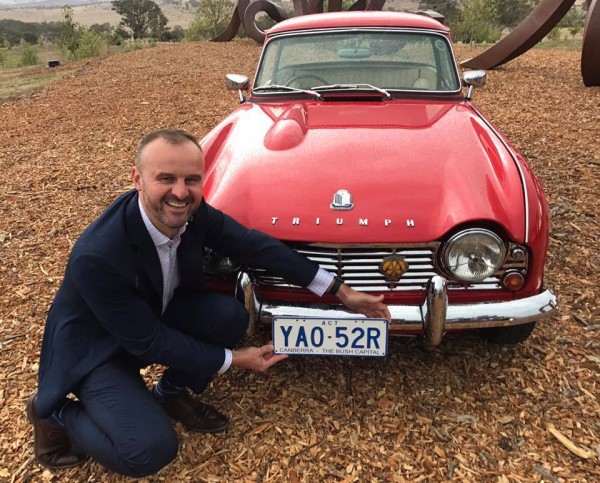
(170, 212)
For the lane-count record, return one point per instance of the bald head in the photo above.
(170, 136)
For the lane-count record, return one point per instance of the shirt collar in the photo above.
(158, 237)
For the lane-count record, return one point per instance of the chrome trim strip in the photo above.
(519, 169)
(429, 317)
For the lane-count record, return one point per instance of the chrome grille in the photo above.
(358, 266)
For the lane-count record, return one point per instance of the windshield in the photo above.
(391, 60)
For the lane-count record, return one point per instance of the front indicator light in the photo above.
(513, 281)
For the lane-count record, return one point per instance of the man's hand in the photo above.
(256, 358)
(366, 304)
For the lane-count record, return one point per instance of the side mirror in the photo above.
(236, 82)
(472, 79)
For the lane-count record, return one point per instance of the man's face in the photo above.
(169, 180)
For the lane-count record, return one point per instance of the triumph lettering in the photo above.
(340, 221)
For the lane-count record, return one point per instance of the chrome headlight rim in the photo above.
(460, 235)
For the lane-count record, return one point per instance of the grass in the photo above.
(17, 80)
(562, 44)
(23, 81)
(44, 52)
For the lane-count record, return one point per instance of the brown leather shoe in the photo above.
(195, 415)
(51, 445)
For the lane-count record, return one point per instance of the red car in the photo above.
(358, 146)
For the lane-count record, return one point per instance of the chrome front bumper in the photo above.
(434, 316)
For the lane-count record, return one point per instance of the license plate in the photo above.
(330, 337)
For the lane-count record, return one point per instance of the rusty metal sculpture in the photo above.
(245, 13)
(590, 65)
(544, 17)
(538, 23)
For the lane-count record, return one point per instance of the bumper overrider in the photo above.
(433, 317)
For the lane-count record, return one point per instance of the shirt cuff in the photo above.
(227, 364)
(321, 282)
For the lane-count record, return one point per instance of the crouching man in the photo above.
(133, 294)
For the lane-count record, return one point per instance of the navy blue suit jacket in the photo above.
(110, 300)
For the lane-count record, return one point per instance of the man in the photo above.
(133, 294)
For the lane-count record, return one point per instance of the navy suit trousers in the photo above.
(116, 419)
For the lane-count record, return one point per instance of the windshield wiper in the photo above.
(352, 86)
(275, 87)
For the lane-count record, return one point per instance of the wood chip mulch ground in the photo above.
(466, 411)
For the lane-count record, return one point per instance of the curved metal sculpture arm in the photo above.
(375, 5)
(234, 24)
(590, 61)
(529, 32)
(274, 11)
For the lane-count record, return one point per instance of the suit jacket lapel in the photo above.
(147, 256)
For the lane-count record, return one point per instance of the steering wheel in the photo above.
(296, 78)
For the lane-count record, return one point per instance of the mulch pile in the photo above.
(465, 411)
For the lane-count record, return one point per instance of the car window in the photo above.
(387, 59)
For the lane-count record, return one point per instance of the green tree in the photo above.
(176, 34)
(210, 19)
(448, 8)
(70, 33)
(139, 15)
(573, 21)
(90, 44)
(510, 13)
(121, 33)
(554, 34)
(157, 25)
(102, 28)
(477, 22)
(15, 30)
(28, 54)
(3, 57)
(30, 37)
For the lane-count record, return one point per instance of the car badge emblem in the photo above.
(393, 267)
(342, 201)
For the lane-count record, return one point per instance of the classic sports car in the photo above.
(357, 146)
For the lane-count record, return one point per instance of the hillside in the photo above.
(94, 11)
(465, 411)
(88, 14)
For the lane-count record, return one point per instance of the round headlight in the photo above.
(474, 255)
